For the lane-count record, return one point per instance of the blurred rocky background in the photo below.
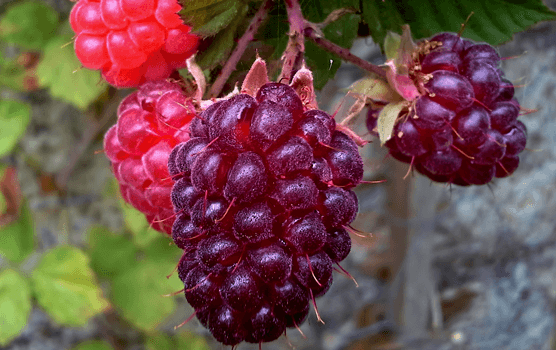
(444, 268)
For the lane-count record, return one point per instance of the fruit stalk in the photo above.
(234, 58)
(329, 46)
(293, 55)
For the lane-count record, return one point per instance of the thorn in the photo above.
(239, 260)
(315, 306)
(328, 146)
(173, 293)
(186, 321)
(66, 44)
(198, 284)
(311, 269)
(357, 232)
(373, 182)
(409, 169)
(98, 151)
(462, 152)
(227, 210)
(162, 220)
(348, 274)
(503, 168)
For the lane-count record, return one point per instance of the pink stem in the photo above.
(293, 55)
(247, 37)
(343, 53)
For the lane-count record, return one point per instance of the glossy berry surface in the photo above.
(464, 129)
(151, 122)
(262, 196)
(131, 41)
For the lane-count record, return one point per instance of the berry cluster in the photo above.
(151, 121)
(262, 196)
(131, 41)
(464, 128)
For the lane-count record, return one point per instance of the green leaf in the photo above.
(387, 119)
(160, 342)
(29, 24)
(137, 223)
(208, 13)
(493, 21)
(14, 118)
(139, 293)
(65, 286)
(392, 44)
(110, 254)
(17, 239)
(375, 88)
(221, 21)
(221, 44)
(163, 250)
(15, 305)
(93, 345)
(190, 341)
(183, 340)
(58, 70)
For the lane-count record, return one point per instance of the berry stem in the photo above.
(344, 53)
(293, 55)
(247, 37)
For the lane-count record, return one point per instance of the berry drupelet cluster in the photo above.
(464, 128)
(131, 41)
(262, 198)
(151, 121)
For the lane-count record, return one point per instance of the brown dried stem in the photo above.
(293, 55)
(344, 53)
(247, 37)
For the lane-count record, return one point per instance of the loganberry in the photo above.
(151, 122)
(463, 129)
(131, 41)
(262, 196)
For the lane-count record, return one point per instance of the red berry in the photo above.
(259, 202)
(140, 144)
(131, 41)
(464, 130)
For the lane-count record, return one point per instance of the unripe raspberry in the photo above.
(131, 41)
(151, 122)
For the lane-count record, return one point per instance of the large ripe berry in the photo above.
(131, 41)
(139, 146)
(463, 129)
(268, 210)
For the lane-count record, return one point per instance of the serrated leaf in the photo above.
(139, 294)
(493, 21)
(387, 119)
(17, 239)
(93, 345)
(65, 286)
(200, 13)
(110, 254)
(221, 21)
(14, 118)
(29, 24)
(376, 89)
(15, 305)
(59, 71)
(221, 44)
